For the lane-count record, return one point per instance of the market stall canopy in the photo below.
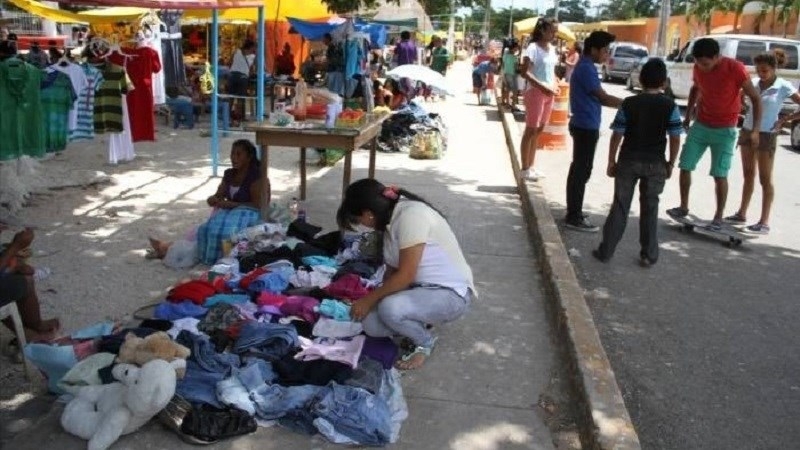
(175, 4)
(314, 31)
(97, 16)
(524, 27)
(273, 11)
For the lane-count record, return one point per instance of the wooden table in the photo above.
(345, 139)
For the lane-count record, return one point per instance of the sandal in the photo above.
(736, 218)
(406, 363)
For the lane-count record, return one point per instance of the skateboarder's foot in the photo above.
(757, 228)
(678, 212)
(714, 225)
(736, 218)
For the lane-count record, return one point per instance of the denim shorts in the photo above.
(721, 141)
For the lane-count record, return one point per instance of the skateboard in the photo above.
(692, 223)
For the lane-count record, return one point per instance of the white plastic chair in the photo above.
(10, 310)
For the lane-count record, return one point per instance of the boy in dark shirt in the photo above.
(641, 125)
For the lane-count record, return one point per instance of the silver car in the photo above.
(633, 77)
(622, 56)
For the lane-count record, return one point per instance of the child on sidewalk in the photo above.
(642, 124)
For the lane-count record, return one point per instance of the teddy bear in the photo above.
(136, 350)
(101, 414)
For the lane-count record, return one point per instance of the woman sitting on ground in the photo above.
(17, 285)
(236, 205)
(399, 99)
(427, 281)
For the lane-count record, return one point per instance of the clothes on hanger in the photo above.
(140, 63)
(120, 145)
(108, 99)
(159, 86)
(78, 78)
(172, 48)
(58, 100)
(20, 110)
(84, 106)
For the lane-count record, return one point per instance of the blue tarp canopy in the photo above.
(313, 31)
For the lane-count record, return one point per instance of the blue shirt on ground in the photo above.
(585, 106)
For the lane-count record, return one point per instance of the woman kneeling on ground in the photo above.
(236, 205)
(427, 282)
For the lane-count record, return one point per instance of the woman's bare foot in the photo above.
(159, 247)
(46, 326)
(412, 361)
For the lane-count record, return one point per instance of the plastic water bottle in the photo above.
(301, 212)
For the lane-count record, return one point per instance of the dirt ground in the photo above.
(94, 237)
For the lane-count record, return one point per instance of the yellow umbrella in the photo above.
(526, 26)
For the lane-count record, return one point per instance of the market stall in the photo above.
(318, 136)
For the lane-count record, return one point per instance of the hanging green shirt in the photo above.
(21, 124)
(439, 59)
(57, 100)
(108, 99)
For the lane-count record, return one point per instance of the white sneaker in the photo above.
(538, 173)
(529, 175)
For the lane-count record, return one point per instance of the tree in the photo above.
(571, 11)
(701, 11)
(432, 7)
(501, 18)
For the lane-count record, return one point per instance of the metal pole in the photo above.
(451, 29)
(555, 9)
(511, 20)
(215, 91)
(260, 69)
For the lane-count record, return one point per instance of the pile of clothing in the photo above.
(271, 340)
(402, 131)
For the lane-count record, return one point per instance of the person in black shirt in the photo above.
(642, 125)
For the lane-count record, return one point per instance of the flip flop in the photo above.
(418, 350)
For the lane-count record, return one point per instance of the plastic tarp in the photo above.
(526, 26)
(407, 23)
(97, 16)
(314, 31)
(177, 4)
(273, 11)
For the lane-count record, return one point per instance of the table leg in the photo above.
(302, 173)
(348, 160)
(265, 186)
(373, 148)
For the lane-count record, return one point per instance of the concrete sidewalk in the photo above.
(494, 381)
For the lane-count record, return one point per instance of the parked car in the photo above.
(794, 136)
(622, 56)
(636, 71)
(742, 47)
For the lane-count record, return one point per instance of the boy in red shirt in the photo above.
(718, 81)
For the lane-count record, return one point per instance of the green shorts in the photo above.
(721, 141)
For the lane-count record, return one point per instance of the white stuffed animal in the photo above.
(101, 414)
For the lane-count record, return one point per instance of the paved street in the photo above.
(705, 344)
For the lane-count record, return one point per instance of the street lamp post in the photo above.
(555, 9)
(511, 20)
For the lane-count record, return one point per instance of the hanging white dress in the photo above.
(120, 145)
(159, 89)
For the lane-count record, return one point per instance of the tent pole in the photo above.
(215, 91)
(260, 69)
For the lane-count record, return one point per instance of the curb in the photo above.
(603, 419)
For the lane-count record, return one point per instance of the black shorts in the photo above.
(477, 81)
(238, 83)
(13, 288)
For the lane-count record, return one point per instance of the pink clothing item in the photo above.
(302, 307)
(348, 286)
(340, 350)
(538, 107)
(266, 298)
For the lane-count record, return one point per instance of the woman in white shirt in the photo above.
(427, 281)
(761, 158)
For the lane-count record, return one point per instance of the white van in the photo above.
(743, 47)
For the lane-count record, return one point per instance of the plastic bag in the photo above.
(181, 255)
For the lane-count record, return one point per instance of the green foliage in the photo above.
(571, 11)
(432, 7)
